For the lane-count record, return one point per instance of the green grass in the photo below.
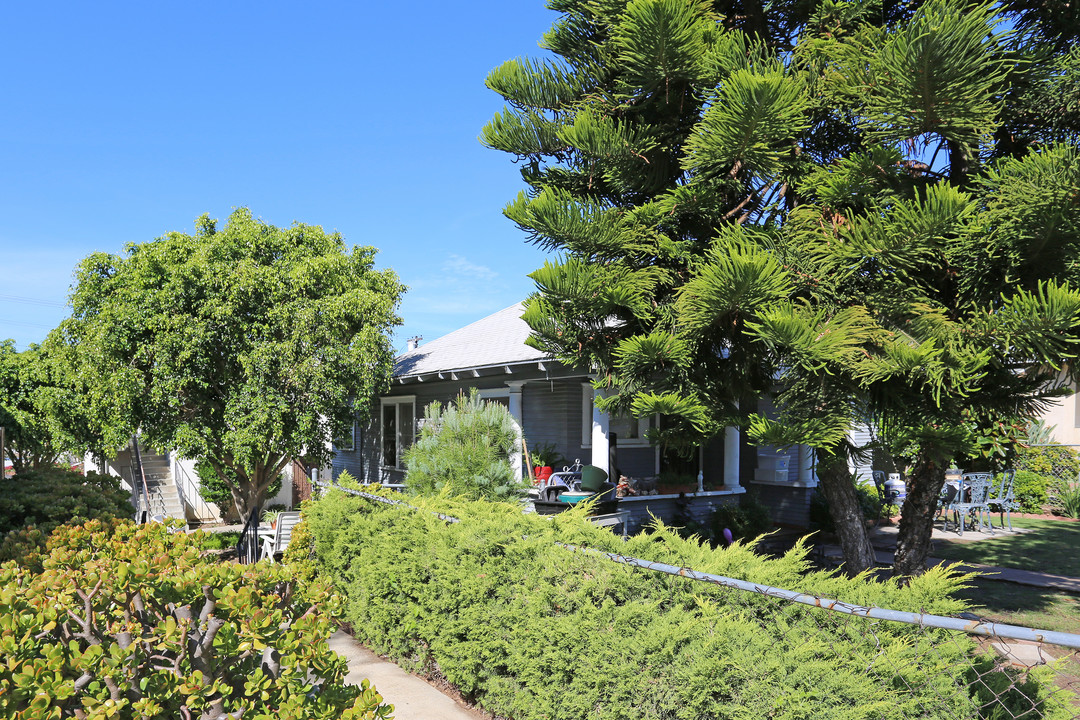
(222, 540)
(1050, 547)
(1042, 608)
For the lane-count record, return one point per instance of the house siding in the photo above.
(551, 412)
(789, 506)
(673, 509)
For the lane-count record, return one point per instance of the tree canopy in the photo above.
(870, 207)
(248, 345)
(40, 409)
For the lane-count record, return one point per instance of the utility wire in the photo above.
(33, 301)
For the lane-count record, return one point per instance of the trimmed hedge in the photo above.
(123, 621)
(532, 631)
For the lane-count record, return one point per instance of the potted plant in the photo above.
(271, 517)
(545, 458)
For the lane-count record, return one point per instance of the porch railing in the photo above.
(247, 548)
(188, 490)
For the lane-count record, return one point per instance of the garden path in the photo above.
(412, 697)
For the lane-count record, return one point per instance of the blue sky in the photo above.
(123, 121)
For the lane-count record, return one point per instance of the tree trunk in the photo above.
(917, 516)
(250, 491)
(245, 497)
(839, 489)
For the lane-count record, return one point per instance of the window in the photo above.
(398, 429)
(347, 442)
(500, 396)
(628, 431)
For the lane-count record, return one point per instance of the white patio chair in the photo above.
(274, 544)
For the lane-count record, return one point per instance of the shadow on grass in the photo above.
(1049, 546)
(1033, 607)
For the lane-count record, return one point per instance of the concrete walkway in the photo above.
(412, 697)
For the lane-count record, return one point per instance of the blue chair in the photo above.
(971, 499)
(1001, 497)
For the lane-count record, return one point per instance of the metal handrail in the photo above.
(247, 547)
(136, 457)
(189, 491)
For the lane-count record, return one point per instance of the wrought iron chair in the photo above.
(971, 499)
(1001, 497)
(945, 501)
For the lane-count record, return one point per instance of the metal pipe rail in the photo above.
(991, 630)
(381, 499)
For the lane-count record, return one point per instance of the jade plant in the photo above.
(124, 621)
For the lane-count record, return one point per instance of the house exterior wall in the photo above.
(674, 509)
(1063, 415)
(554, 410)
(551, 413)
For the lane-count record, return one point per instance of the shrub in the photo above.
(1058, 461)
(747, 520)
(1068, 500)
(464, 449)
(1031, 490)
(530, 630)
(54, 496)
(135, 622)
(869, 504)
(24, 546)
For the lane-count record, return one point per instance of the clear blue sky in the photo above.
(123, 121)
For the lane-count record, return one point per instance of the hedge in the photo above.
(529, 630)
(124, 621)
(53, 496)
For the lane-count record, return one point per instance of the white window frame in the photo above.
(395, 400)
(495, 394)
(587, 395)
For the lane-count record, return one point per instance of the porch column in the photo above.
(600, 428)
(517, 460)
(731, 456)
(806, 464)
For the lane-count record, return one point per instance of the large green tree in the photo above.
(247, 345)
(869, 207)
(40, 407)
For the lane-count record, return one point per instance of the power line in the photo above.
(4, 321)
(33, 301)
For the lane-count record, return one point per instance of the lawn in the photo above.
(1042, 608)
(1050, 547)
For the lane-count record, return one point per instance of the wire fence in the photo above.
(929, 666)
(1052, 469)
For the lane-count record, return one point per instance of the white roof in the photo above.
(498, 339)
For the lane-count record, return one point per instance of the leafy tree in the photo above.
(868, 207)
(245, 345)
(213, 489)
(464, 449)
(39, 406)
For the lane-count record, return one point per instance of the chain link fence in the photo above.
(1048, 478)
(928, 666)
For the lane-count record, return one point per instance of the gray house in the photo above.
(553, 404)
